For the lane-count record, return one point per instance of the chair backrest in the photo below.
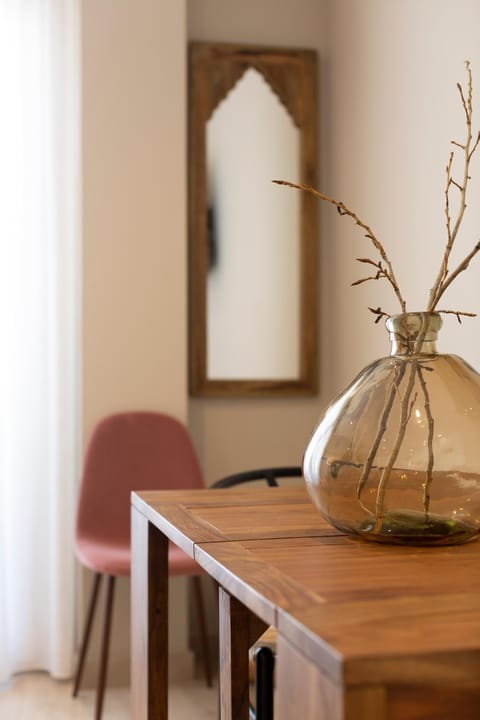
(270, 475)
(131, 451)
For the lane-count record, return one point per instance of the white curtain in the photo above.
(39, 304)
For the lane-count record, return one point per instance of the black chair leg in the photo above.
(86, 632)
(264, 665)
(203, 629)
(107, 621)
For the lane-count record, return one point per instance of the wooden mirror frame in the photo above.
(214, 69)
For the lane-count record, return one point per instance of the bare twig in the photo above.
(381, 272)
(404, 418)
(458, 313)
(412, 405)
(460, 268)
(369, 262)
(366, 279)
(443, 278)
(431, 424)
(444, 266)
(379, 313)
(399, 372)
(405, 415)
(344, 210)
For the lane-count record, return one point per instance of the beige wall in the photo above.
(235, 434)
(134, 231)
(391, 110)
(134, 221)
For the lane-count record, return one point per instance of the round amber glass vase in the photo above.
(396, 457)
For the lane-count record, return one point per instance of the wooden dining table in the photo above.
(366, 631)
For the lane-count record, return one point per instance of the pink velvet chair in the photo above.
(129, 451)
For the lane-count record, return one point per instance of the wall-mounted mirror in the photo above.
(252, 253)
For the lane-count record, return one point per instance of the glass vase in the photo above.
(396, 456)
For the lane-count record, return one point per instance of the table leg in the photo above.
(149, 629)
(234, 632)
(304, 691)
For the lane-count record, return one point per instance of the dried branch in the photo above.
(458, 313)
(444, 268)
(412, 405)
(382, 273)
(460, 268)
(406, 408)
(404, 418)
(399, 372)
(344, 210)
(443, 278)
(379, 313)
(431, 458)
(365, 279)
(370, 262)
(477, 141)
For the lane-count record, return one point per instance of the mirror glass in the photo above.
(252, 243)
(253, 302)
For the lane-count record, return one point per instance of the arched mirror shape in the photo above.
(253, 272)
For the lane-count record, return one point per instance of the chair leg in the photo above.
(86, 632)
(107, 621)
(264, 665)
(203, 629)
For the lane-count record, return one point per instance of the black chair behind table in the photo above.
(264, 656)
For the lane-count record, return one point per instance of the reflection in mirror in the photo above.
(253, 272)
(253, 303)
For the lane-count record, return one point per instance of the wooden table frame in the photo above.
(381, 633)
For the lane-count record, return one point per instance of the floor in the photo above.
(35, 696)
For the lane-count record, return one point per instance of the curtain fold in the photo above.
(39, 325)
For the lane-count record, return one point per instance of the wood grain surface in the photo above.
(361, 610)
(238, 630)
(200, 516)
(366, 630)
(149, 630)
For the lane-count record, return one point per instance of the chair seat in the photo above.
(114, 559)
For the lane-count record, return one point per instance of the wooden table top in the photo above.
(189, 517)
(357, 609)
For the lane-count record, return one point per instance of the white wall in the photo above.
(391, 109)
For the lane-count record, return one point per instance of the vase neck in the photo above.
(414, 333)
